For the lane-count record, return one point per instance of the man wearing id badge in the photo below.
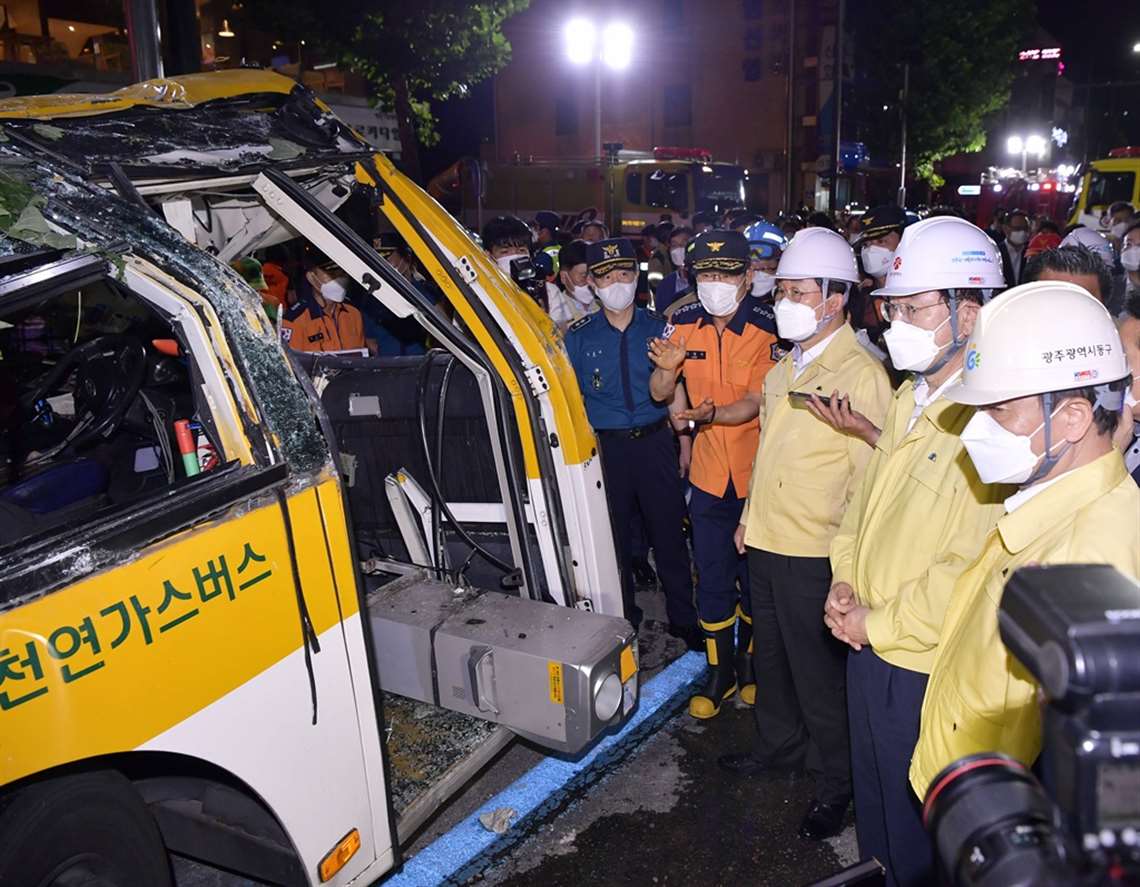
(805, 473)
(607, 351)
(721, 347)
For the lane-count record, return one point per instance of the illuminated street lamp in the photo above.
(614, 49)
(1034, 144)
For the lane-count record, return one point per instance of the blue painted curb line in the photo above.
(453, 854)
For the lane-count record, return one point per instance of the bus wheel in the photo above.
(87, 830)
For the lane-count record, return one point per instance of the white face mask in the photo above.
(717, 297)
(1130, 399)
(1130, 257)
(504, 263)
(999, 455)
(1118, 229)
(797, 322)
(1019, 238)
(912, 348)
(334, 290)
(677, 256)
(583, 294)
(876, 260)
(763, 283)
(618, 296)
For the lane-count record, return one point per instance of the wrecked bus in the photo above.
(228, 574)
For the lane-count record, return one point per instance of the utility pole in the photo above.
(142, 25)
(902, 162)
(789, 185)
(837, 159)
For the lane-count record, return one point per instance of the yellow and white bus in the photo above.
(217, 563)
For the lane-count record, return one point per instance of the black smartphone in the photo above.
(806, 396)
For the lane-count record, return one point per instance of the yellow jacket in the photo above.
(979, 697)
(805, 471)
(918, 518)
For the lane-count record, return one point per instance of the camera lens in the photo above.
(993, 824)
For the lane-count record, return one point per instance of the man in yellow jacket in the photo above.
(918, 518)
(1046, 367)
(804, 474)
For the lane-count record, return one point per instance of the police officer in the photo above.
(607, 350)
(918, 518)
(1046, 368)
(882, 229)
(805, 472)
(722, 346)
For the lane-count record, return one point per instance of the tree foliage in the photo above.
(962, 56)
(412, 54)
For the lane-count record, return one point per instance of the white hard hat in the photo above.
(1037, 338)
(942, 253)
(818, 252)
(1092, 240)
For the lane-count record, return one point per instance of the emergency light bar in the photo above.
(1126, 151)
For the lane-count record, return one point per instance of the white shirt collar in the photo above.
(1019, 498)
(924, 397)
(801, 358)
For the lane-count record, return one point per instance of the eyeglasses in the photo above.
(898, 311)
(796, 295)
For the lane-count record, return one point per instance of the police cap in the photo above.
(880, 220)
(608, 255)
(718, 250)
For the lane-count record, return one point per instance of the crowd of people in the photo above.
(838, 438)
(866, 424)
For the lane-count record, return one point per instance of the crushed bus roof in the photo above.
(220, 123)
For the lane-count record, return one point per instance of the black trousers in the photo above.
(801, 687)
(641, 474)
(884, 705)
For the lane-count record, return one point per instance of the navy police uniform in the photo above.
(637, 448)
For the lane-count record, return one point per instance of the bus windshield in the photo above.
(719, 187)
(1108, 187)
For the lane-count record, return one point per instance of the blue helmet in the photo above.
(765, 240)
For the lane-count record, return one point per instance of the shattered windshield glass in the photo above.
(32, 195)
(229, 135)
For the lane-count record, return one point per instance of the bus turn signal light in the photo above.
(339, 856)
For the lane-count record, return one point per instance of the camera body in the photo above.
(1076, 629)
(529, 279)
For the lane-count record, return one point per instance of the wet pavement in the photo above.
(668, 815)
(663, 813)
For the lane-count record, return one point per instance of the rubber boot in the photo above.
(720, 681)
(745, 680)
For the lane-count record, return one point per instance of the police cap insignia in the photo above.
(715, 245)
(610, 250)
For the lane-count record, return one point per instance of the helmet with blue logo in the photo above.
(765, 240)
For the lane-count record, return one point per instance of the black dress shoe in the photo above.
(823, 820)
(693, 637)
(644, 575)
(747, 764)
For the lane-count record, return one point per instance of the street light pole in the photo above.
(598, 111)
(902, 160)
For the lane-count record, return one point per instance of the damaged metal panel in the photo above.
(227, 135)
(109, 225)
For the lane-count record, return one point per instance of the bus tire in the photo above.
(90, 828)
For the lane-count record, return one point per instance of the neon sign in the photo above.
(1036, 55)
